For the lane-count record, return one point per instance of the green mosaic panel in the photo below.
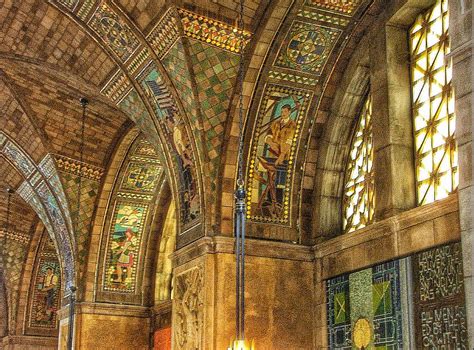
(364, 309)
(215, 72)
(123, 247)
(175, 64)
(12, 259)
(82, 220)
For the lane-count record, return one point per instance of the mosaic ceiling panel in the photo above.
(115, 32)
(129, 211)
(36, 190)
(346, 7)
(44, 302)
(272, 153)
(213, 32)
(307, 47)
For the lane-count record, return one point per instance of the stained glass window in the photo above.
(433, 105)
(358, 202)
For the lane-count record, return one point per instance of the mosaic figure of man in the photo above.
(50, 282)
(281, 135)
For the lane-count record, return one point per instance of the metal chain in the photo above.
(240, 175)
(84, 102)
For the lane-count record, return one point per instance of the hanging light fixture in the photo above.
(240, 211)
(72, 295)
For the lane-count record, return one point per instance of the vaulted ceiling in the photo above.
(171, 68)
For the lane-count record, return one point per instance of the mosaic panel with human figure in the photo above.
(124, 246)
(272, 159)
(178, 139)
(46, 287)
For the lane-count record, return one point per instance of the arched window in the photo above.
(433, 105)
(358, 203)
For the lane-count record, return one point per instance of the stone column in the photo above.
(460, 31)
(278, 294)
(100, 325)
(391, 121)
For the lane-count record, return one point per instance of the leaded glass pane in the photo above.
(358, 203)
(433, 105)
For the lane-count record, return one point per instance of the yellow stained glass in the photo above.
(358, 202)
(433, 105)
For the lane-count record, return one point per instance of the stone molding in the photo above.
(404, 234)
(29, 340)
(253, 247)
(408, 232)
(162, 307)
(106, 309)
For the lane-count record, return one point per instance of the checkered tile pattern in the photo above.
(215, 72)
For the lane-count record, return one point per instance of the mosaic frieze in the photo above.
(165, 33)
(292, 78)
(114, 31)
(272, 154)
(18, 158)
(307, 47)
(323, 17)
(117, 86)
(139, 60)
(213, 32)
(45, 299)
(188, 309)
(178, 139)
(75, 167)
(346, 7)
(123, 247)
(439, 299)
(141, 177)
(145, 149)
(85, 9)
(70, 4)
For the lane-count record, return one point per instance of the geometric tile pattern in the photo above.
(215, 72)
(339, 321)
(364, 309)
(13, 253)
(307, 47)
(82, 220)
(292, 78)
(386, 303)
(323, 17)
(165, 33)
(70, 4)
(434, 120)
(72, 166)
(346, 7)
(114, 31)
(175, 64)
(116, 87)
(213, 32)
